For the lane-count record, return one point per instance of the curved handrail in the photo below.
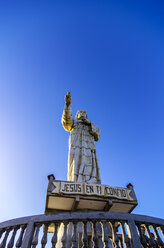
(94, 215)
(108, 223)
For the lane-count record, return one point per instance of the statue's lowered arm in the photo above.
(67, 120)
(95, 131)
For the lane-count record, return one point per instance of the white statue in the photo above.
(82, 157)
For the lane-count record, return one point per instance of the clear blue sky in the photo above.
(110, 55)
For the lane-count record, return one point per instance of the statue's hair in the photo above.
(80, 110)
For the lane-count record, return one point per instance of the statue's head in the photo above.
(81, 114)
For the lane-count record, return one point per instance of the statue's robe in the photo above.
(82, 157)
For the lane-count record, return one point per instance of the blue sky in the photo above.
(110, 55)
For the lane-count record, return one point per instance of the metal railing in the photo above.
(87, 229)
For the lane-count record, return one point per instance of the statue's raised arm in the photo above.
(67, 120)
(82, 157)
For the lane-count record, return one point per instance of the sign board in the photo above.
(104, 191)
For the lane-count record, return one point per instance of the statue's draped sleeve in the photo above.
(95, 131)
(67, 120)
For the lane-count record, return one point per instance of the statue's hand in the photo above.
(68, 98)
(86, 121)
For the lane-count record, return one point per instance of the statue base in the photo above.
(74, 196)
(65, 196)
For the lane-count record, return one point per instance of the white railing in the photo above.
(83, 229)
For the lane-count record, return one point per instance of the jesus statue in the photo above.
(82, 158)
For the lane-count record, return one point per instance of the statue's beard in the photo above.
(82, 118)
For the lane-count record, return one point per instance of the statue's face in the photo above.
(81, 114)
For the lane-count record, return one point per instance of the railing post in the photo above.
(74, 237)
(115, 239)
(28, 235)
(84, 237)
(64, 237)
(104, 234)
(125, 238)
(133, 234)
